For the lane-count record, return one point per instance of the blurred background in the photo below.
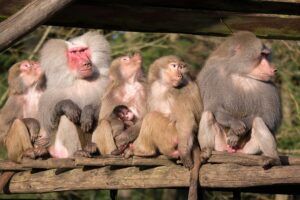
(194, 50)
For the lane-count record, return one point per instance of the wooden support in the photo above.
(27, 19)
(232, 172)
(119, 161)
(212, 176)
(216, 158)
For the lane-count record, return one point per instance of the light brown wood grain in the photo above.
(27, 19)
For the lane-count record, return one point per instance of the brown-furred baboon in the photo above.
(170, 128)
(19, 128)
(127, 88)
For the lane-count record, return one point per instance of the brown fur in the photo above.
(173, 118)
(17, 128)
(128, 91)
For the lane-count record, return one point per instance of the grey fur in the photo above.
(62, 84)
(219, 93)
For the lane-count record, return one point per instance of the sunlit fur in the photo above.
(128, 91)
(230, 96)
(22, 103)
(61, 82)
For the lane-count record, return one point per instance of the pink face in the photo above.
(264, 71)
(30, 71)
(29, 66)
(79, 60)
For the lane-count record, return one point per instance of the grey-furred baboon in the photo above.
(77, 75)
(242, 107)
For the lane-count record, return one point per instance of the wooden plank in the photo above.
(212, 176)
(10, 7)
(217, 158)
(289, 7)
(27, 19)
(54, 163)
(279, 19)
(248, 160)
(119, 161)
(6, 165)
(51, 163)
(178, 20)
(238, 176)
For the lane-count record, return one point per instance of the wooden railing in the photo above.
(233, 172)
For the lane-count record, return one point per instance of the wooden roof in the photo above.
(266, 18)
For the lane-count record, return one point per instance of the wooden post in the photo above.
(27, 19)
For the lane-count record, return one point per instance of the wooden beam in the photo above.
(249, 160)
(8, 7)
(217, 158)
(266, 18)
(178, 20)
(288, 7)
(27, 19)
(212, 176)
(119, 161)
(224, 171)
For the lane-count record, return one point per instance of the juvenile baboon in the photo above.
(171, 126)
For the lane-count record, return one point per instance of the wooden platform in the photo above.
(223, 172)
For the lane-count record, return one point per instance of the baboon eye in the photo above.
(26, 65)
(266, 56)
(174, 65)
(125, 58)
